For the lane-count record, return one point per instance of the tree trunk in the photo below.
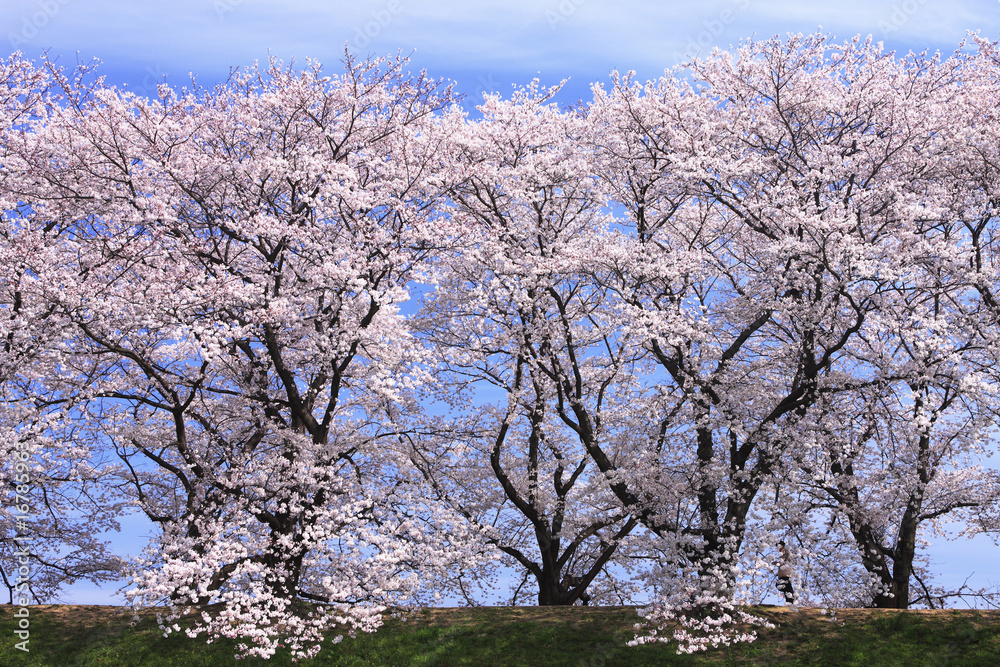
(906, 547)
(549, 592)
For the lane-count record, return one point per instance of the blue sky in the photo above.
(483, 46)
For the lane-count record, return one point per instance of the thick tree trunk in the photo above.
(906, 547)
(549, 593)
(873, 559)
(906, 540)
(554, 590)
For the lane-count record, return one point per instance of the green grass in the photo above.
(579, 636)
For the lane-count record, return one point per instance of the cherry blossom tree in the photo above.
(899, 459)
(58, 499)
(773, 206)
(753, 299)
(905, 456)
(237, 268)
(524, 353)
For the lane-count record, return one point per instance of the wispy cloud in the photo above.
(509, 40)
(578, 37)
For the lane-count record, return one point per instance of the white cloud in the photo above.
(575, 36)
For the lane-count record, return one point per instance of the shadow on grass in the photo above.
(528, 636)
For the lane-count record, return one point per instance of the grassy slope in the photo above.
(64, 636)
